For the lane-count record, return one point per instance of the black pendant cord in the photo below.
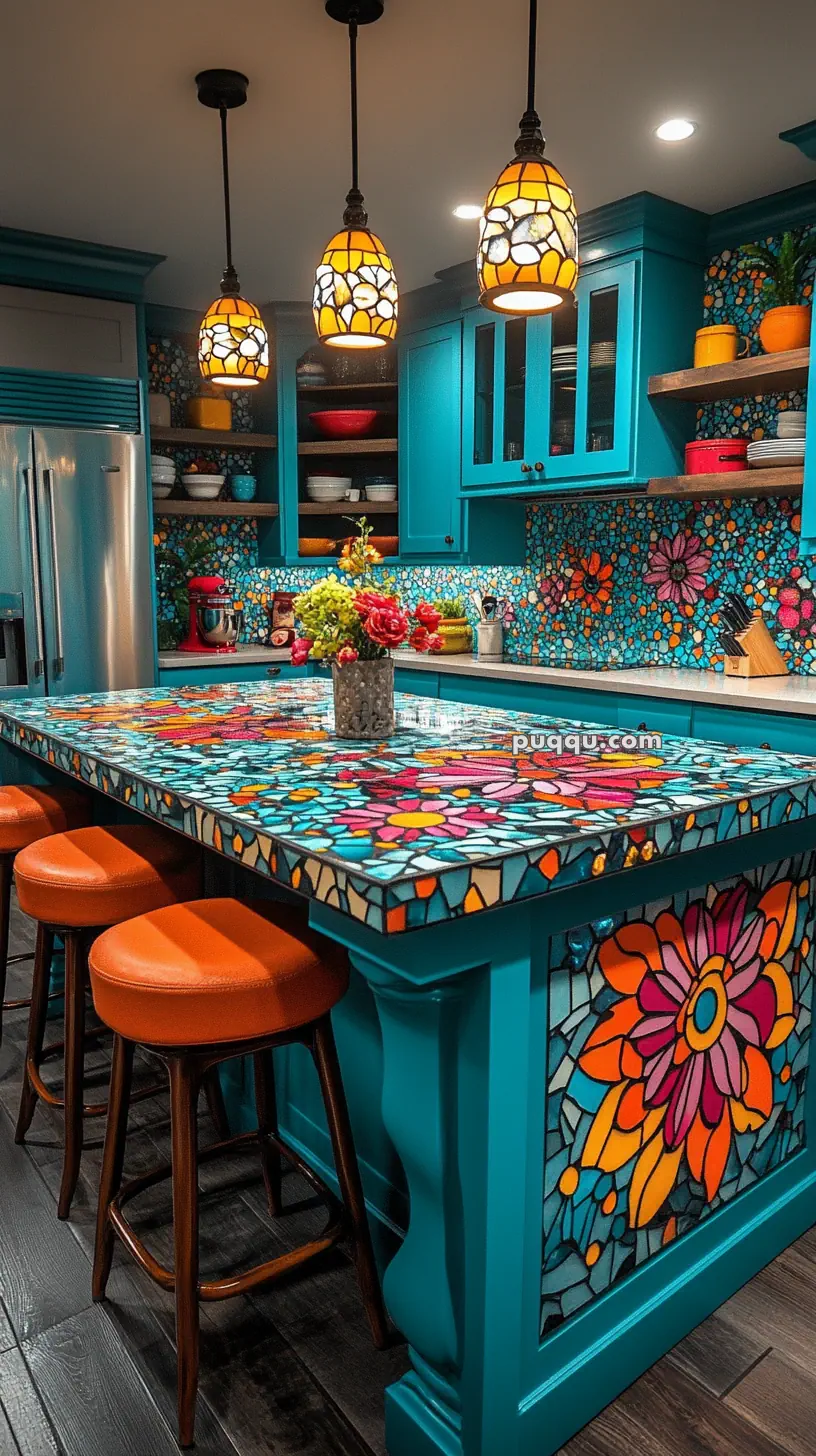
(530, 142)
(229, 280)
(355, 214)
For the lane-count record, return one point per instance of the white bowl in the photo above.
(381, 492)
(163, 477)
(163, 460)
(203, 491)
(327, 493)
(160, 492)
(199, 477)
(329, 480)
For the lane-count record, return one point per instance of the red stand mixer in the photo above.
(215, 619)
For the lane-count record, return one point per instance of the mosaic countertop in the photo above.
(440, 821)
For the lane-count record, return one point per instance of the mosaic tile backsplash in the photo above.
(621, 583)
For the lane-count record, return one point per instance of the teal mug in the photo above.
(243, 487)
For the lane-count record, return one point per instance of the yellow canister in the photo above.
(456, 634)
(718, 344)
(204, 412)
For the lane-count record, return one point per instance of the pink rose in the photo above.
(427, 616)
(387, 626)
(346, 655)
(301, 647)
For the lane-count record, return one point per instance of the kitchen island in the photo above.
(592, 974)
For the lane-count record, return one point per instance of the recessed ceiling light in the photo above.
(470, 211)
(676, 130)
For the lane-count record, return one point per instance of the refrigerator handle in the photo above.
(59, 660)
(31, 502)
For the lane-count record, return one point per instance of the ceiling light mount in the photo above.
(364, 11)
(220, 88)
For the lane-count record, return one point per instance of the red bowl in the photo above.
(343, 424)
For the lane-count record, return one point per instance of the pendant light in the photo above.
(528, 241)
(233, 346)
(356, 299)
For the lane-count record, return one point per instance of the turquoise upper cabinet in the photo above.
(430, 506)
(560, 402)
(807, 539)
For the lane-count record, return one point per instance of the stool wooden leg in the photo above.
(74, 1068)
(184, 1084)
(348, 1174)
(266, 1107)
(36, 1028)
(216, 1105)
(113, 1161)
(5, 918)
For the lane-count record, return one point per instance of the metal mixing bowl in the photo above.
(219, 626)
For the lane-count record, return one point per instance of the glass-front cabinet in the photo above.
(550, 399)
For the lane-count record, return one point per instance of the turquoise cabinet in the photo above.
(228, 672)
(560, 402)
(430, 506)
(416, 680)
(807, 538)
(745, 728)
(657, 715)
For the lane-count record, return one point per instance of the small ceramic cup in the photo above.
(243, 487)
(719, 344)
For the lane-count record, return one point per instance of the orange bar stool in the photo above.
(28, 813)
(75, 885)
(197, 984)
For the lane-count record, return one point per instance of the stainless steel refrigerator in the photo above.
(76, 608)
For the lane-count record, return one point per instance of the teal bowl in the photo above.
(243, 487)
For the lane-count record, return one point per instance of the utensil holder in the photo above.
(762, 656)
(490, 639)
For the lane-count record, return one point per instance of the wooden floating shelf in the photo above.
(759, 374)
(348, 508)
(733, 483)
(232, 439)
(377, 386)
(213, 508)
(348, 447)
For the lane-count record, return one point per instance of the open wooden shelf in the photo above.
(348, 447)
(378, 386)
(232, 439)
(759, 374)
(348, 508)
(785, 480)
(213, 508)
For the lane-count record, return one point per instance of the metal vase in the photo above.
(364, 699)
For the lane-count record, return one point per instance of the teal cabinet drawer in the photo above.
(748, 729)
(548, 700)
(661, 715)
(416, 680)
(190, 677)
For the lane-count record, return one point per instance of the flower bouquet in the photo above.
(353, 621)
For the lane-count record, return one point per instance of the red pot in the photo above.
(716, 457)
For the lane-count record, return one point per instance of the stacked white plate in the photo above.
(776, 453)
(604, 352)
(565, 359)
(325, 488)
(162, 475)
(203, 487)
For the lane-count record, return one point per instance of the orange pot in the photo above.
(785, 328)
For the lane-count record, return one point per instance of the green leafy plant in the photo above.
(784, 271)
(176, 568)
(450, 607)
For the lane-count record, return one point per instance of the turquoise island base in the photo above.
(579, 1034)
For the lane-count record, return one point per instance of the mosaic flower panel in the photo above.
(440, 821)
(678, 1056)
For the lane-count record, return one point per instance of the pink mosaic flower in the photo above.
(677, 567)
(796, 610)
(406, 820)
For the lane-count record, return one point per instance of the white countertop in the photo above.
(247, 652)
(793, 694)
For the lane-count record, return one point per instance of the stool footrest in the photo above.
(226, 1288)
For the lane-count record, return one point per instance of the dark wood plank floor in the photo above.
(291, 1371)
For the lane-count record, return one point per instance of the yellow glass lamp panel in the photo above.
(528, 243)
(356, 298)
(233, 345)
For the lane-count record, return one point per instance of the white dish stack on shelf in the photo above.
(602, 353)
(162, 476)
(564, 359)
(328, 488)
(788, 449)
(200, 486)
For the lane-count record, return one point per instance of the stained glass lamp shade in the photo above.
(233, 345)
(528, 242)
(356, 300)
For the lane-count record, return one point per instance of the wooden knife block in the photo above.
(763, 658)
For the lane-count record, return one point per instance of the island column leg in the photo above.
(455, 1103)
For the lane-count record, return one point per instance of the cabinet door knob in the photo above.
(641, 728)
(448, 540)
(273, 672)
(764, 745)
(526, 469)
(539, 465)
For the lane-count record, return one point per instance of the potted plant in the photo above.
(353, 621)
(177, 567)
(786, 322)
(454, 629)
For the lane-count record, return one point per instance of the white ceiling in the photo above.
(103, 137)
